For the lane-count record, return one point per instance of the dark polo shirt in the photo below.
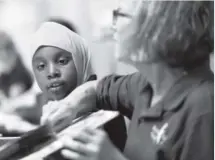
(178, 128)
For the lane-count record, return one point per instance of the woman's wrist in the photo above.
(83, 98)
(81, 92)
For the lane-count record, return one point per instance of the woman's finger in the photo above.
(68, 154)
(58, 115)
(49, 109)
(99, 136)
(83, 137)
(90, 131)
(76, 146)
(61, 113)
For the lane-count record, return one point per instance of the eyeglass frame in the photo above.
(116, 13)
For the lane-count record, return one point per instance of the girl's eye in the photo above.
(63, 61)
(41, 66)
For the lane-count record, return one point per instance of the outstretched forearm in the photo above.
(83, 98)
(110, 93)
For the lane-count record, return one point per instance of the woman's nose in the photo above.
(53, 72)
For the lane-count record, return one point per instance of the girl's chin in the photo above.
(57, 97)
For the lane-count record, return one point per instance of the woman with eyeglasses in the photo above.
(169, 101)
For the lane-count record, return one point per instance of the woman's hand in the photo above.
(81, 100)
(14, 125)
(90, 145)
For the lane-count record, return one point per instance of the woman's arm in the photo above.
(111, 93)
(116, 93)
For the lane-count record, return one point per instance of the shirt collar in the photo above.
(177, 94)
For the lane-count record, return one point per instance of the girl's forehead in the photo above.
(50, 51)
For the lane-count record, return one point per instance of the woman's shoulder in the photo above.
(139, 81)
(131, 84)
(200, 100)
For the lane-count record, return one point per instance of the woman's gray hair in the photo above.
(178, 32)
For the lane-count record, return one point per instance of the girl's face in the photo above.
(55, 72)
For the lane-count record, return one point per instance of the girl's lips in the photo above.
(55, 86)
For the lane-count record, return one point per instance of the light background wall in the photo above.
(22, 17)
(92, 17)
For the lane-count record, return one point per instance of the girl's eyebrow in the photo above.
(38, 58)
(63, 54)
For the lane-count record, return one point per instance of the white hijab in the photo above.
(57, 35)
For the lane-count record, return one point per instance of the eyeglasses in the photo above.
(111, 30)
(118, 13)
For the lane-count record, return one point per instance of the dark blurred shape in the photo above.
(27, 143)
(65, 23)
(15, 79)
(92, 77)
(211, 24)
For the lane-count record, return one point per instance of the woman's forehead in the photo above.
(128, 6)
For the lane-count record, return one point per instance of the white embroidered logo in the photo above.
(159, 135)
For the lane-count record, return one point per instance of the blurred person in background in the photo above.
(170, 100)
(26, 109)
(15, 79)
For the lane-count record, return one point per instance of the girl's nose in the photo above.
(53, 72)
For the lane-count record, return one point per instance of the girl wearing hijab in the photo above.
(61, 62)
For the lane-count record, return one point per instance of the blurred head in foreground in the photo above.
(177, 33)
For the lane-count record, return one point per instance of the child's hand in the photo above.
(89, 145)
(13, 124)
